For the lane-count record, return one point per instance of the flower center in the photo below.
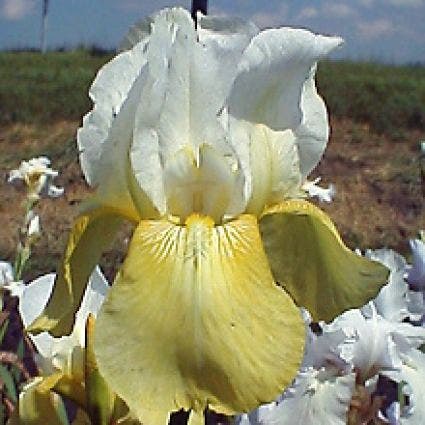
(199, 184)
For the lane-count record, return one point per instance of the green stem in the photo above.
(23, 248)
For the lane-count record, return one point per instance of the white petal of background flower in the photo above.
(55, 191)
(413, 374)
(391, 302)
(322, 194)
(6, 273)
(32, 303)
(316, 397)
(416, 275)
(7, 280)
(324, 350)
(59, 352)
(371, 347)
(34, 229)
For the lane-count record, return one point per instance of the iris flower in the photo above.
(38, 176)
(203, 137)
(61, 361)
(66, 365)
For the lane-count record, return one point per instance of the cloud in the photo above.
(14, 10)
(338, 10)
(374, 29)
(307, 13)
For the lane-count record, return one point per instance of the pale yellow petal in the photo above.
(202, 184)
(195, 319)
(309, 259)
(100, 399)
(89, 237)
(274, 165)
(196, 418)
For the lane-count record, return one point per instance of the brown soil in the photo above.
(379, 199)
(380, 187)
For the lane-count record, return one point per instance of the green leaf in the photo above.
(16, 372)
(21, 349)
(3, 329)
(2, 414)
(9, 383)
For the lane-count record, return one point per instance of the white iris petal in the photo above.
(178, 88)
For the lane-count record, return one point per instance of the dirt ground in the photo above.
(379, 201)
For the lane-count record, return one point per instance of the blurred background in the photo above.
(374, 86)
(385, 30)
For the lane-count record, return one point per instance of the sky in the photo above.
(391, 31)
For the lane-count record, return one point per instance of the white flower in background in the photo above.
(6, 273)
(61, 361)
(416, 274)
(324, 349)
(393, 299)
(375, 344)
(316, 397)
(397, 301)
(412, 376)
(354, 348)
(322, 194)
(34, 230)
(38, 176)
(392, 414)
(8, 281)
(64, 354)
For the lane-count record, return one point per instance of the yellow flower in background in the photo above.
(204, 138)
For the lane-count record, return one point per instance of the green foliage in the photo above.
(390, 98)
(3, 329)
(20, 350)
(9, 383)
(37, 88)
